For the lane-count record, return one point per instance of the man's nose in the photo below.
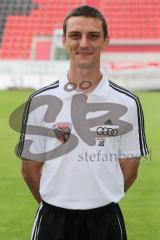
(84, 41)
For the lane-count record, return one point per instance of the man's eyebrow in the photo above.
(76, 31)
(97, 32)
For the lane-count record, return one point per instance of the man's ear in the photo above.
(64, 40)
(106, 42)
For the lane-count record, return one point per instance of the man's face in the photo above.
(84, 41)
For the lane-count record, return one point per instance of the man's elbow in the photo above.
(135, 176)
(129, 180)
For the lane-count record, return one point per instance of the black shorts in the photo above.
(55, 223)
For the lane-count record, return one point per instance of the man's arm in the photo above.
(129, 168)
(31, 171)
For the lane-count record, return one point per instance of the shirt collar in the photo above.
(102, 87)
(100, 90)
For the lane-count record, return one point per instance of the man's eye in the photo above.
(74, 36)
(93, 36)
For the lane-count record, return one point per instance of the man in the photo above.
(87, 156)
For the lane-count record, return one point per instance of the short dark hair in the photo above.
(86, 11)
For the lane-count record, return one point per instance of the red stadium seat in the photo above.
(128, 20)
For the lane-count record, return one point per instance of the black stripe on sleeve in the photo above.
(26, 114)
(142, 138)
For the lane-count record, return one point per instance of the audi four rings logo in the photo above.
(112, 132)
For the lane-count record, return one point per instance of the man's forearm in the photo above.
(31, 172)
(130, 171)
(33, 184)
(128, 181)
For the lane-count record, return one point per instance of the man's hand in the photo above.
(31, 171)
(129, 168)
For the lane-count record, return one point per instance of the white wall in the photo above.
(119, 66)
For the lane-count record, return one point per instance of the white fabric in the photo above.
(88, 176)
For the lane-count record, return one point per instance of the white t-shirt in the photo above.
(80, 140)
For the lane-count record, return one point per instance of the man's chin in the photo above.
(84, 65)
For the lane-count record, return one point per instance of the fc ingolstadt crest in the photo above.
(62, 131)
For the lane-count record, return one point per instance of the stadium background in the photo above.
(32, 56)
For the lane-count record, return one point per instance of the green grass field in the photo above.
(141, 205)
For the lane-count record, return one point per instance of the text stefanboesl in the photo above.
(101, 156)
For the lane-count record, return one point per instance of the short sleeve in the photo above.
(31, 145)
(133, 144)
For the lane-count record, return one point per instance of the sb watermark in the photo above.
(37, 118)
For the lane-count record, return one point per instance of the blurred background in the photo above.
(31, 52)
(32, 56)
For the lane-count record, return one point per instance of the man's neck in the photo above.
(87, 78)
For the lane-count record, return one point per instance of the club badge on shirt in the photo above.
(62, 131)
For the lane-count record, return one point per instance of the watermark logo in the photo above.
(108, 125)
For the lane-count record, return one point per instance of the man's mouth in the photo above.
(84, 53)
